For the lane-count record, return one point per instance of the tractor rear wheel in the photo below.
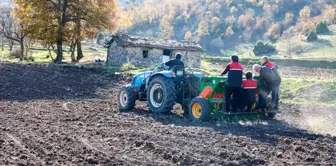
(193, 89)
(194, 86)
(126, 99)
(199, 109)
(161, 94)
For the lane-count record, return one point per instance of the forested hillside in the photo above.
(221, 25)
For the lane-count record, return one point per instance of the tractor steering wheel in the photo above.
(164, 66)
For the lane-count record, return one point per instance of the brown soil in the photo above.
(52, 115)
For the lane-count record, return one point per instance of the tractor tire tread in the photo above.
(194, 83)
(170, 96)
(131, 99)
(206, 109)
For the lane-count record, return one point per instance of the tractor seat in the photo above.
(179, 71)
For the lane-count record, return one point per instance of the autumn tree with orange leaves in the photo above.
(58, 22)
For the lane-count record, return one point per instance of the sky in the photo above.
(5, 3)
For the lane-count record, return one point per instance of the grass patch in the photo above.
(139, 70)
(112, 69)
(5, 52)
(40, 54)
(279, 62)
(297, 90)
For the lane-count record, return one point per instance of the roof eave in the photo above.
(161, 47)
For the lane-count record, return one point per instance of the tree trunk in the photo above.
(2, 44)
(22, 50)
(59, 51)
(73, 49)
(78, 41)
(11, 43)
(61, 23)
(79, 51)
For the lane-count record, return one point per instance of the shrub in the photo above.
(16, 53)
(322, 27)
(127, 66)
(311, 36)
(263, 48)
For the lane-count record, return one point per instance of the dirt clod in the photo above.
(279, 154)
(299, 149)
(92, 161)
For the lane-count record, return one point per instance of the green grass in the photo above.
(112, 69)
(297, 90)
(5, 52)
(40, 54)
(279, 61)
(138, 70)
(323, 48)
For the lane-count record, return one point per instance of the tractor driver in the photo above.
(175, 62)
(235, 82)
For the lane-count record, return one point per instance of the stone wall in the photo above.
(135, 54)
(190, 58)
(118, 55)
(115, 55)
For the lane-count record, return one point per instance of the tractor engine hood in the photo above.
(139, 79)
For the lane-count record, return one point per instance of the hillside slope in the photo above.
(221, 25)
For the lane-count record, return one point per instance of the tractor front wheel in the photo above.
(126, 99)
(161, 94)
(199, 109)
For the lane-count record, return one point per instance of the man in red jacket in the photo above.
(235, 81)
(265, 62)
(249, 91)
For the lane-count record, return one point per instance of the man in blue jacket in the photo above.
(175, 62)
(269, 83)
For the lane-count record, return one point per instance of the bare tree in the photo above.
(292, 46)
(11, 31)
(2, 43)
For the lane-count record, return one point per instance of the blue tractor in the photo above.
(162, 88)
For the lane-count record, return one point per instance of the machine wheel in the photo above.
(194, 85)
(161, 95)
(199, 109)
(126, 99)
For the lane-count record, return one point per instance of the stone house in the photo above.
(145, 51)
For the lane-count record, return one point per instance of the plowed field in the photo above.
(53, 115)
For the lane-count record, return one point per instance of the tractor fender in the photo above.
(139, 79)
(167, 74)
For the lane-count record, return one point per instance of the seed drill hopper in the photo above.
(210, 104)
